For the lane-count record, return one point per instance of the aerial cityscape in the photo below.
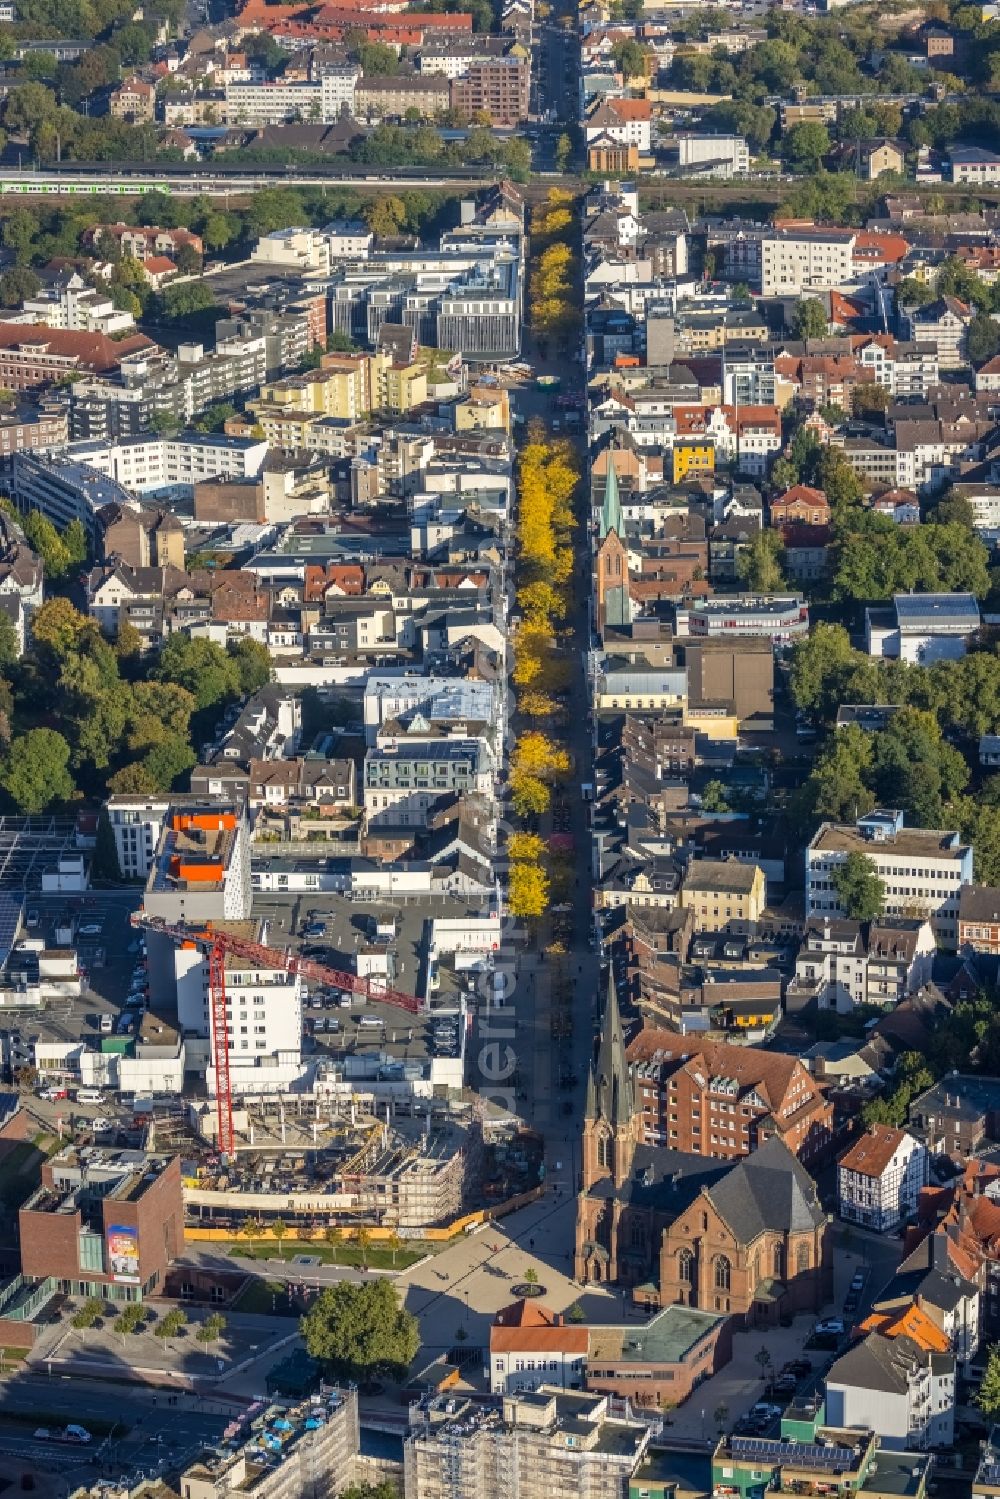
(499, 749)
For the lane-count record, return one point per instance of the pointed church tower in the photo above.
(611, 510)
(610, 1121)
(612, 601)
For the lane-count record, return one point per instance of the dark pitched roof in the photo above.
(770, 1189)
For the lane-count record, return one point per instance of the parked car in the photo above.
(31, 917)
(830, 1327)
(91, 929)
(53, 1095)
(800, 1367)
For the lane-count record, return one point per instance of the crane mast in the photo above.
(218, 944)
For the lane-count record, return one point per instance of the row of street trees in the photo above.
(548, 477)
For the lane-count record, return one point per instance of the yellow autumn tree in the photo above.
(537, 755)
(528, 890)
(535, 704)
(526, 846)
(530, 796)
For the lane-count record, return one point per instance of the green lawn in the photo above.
(377, 1257)
(262, 1298)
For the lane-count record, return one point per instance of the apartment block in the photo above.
(293, 1450)
(795, 260)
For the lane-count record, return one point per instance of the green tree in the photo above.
(987, 1397)
(35, 770)
(713, 798)
(253, 664)
(805, 145)
(377, 59)
(870, 399)
(630, 58)
(9, 644)
(18, 284)
(563, 152)
(43, 538)
(167, 761)
(106, 863)
(983, 339)
(759, 564)
(860, 891)
(204, 669)
(810, 319)
(361, 1329)
(279, 1231)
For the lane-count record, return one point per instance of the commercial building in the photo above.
(103, 1223)
(922, 870)
(923, 627)
(879, 1178)
(662, 1362)
(716, 155)
(779, 617)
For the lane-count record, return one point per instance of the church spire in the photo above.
(613, 1089)
(611, 510)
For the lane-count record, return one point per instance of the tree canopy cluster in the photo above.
(554, 312)
(359, 1329)
(79, 713)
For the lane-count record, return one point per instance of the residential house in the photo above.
(879, 1178)
(903, 1387)
(531, 1346)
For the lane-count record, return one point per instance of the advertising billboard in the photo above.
(123, 1253)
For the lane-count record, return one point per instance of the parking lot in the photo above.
(331, 930)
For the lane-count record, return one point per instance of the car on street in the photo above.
(91, 929)
(830, 1327)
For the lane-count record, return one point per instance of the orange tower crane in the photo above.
(217, 946)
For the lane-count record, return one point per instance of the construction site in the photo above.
(397, 1175)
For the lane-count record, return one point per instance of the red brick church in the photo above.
(749, 1239)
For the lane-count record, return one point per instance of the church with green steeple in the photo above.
(613, 603)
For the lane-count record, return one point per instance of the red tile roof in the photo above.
(94, 350)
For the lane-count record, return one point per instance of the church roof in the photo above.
(769, 1190)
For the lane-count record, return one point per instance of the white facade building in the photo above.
(922, 869)
(879, 1177)
(794, 260)
(136, 822)
(263, 1021)
(728, 154)
(894, 1387)
(922, 627)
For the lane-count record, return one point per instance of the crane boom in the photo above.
(220, 944)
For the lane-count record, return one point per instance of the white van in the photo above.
(89, 1095)
(107, 1024)
(369, 1023)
